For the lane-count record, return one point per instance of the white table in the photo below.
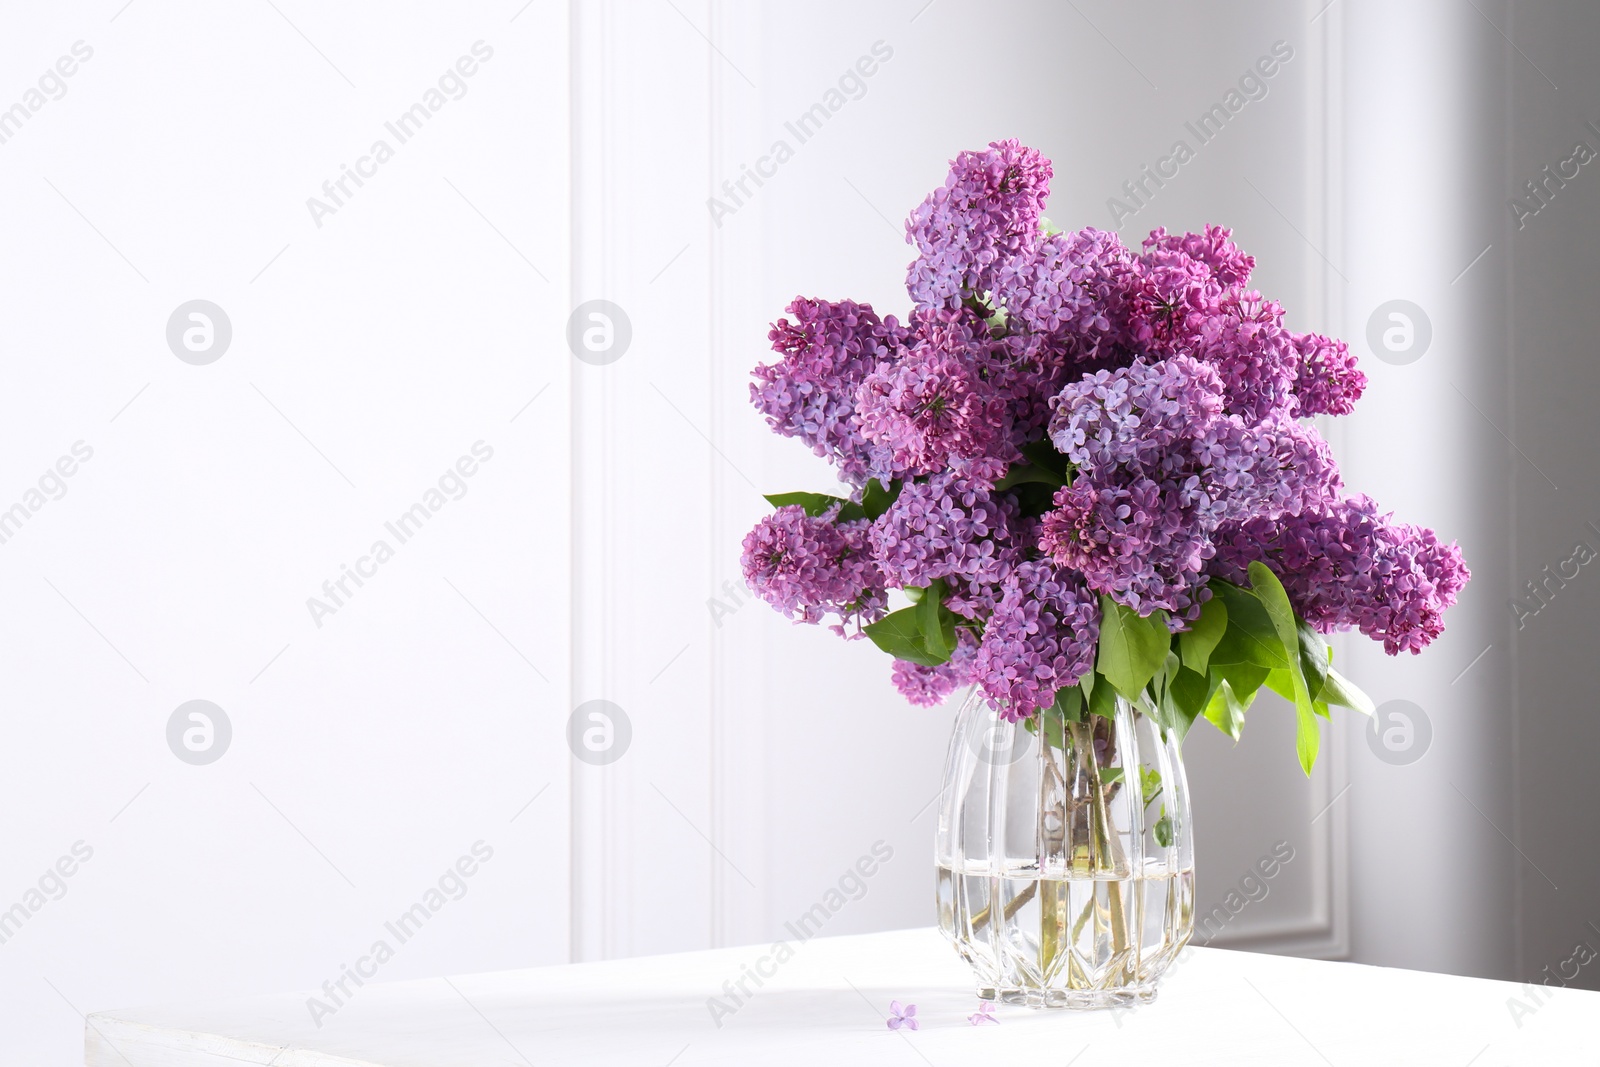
(826, 1005)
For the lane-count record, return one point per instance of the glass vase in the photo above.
(1065, 855)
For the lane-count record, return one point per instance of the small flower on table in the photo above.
(902, 1016)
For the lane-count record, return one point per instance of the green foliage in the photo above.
(1198, 642)
(1021, 473)
(1337, 689)
(1133, 647)
(1069, 704)
(924, 633)
(1270, 593)
(937, 623)
(1250, 636)
(875, 500)
(1035, 480)
(1242, 640)
(1150, 783)
(1225, 711)
(899, 633)
(1099, 696)
(1191, 693)
(1044, 454)
(1052, 721)
(815, 503)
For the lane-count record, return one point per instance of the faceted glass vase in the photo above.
(1065, 856)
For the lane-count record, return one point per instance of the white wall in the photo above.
(595, 557)
(1424, 92)
(376, 748)
(1551, 376)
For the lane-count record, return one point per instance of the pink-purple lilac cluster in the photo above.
(827, 351)
(811, 568)
(1174, 395)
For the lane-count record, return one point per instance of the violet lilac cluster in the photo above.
(1173, 402)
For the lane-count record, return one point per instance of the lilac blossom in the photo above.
(1161, 468)
(1067, 288)
(1215, 248)
(987, 211)
(1173, 303)
(827, 352)
(936, 408)
(1326, 379)
(1040, 639)
(1135, 416)
(811, 567)
(952, 528)
(1176, 402)
(1138, 543)
(1348, 566)
(1244, 338)
(926, 686)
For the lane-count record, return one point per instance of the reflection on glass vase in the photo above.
(1065, 855)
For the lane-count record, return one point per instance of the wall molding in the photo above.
(1324, 930)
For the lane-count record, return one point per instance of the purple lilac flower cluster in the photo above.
(1062, 418)
(1346, 566)
(812, 567)
(936, 407)
(810, 392)
(1160, 467)
(950, 528)
(1040, 638)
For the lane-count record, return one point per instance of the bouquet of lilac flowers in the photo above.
(1089, 472)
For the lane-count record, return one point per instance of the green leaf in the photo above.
(1225, 711)
(1180, 719)
(1163, 830)
(1197, 642)
(1034, 498)
(875, 499)
(1069, 703)
(914, 593)
(1068, 707)
(1044, 454)
(1100, 698)
(1041, 466)
(1055, 733)
(1269, 591)
(1132, 647)
(1181, 697)
(936, 622)
(1251, 636)
(1160, 711)
(1110, 774)
(1337, 689)
(1243, 678)
(1024, 473)
(900, 634)
(1191, 692)
(1314, 658)
(814, 503)
(1150, 783)
(1282, 683)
